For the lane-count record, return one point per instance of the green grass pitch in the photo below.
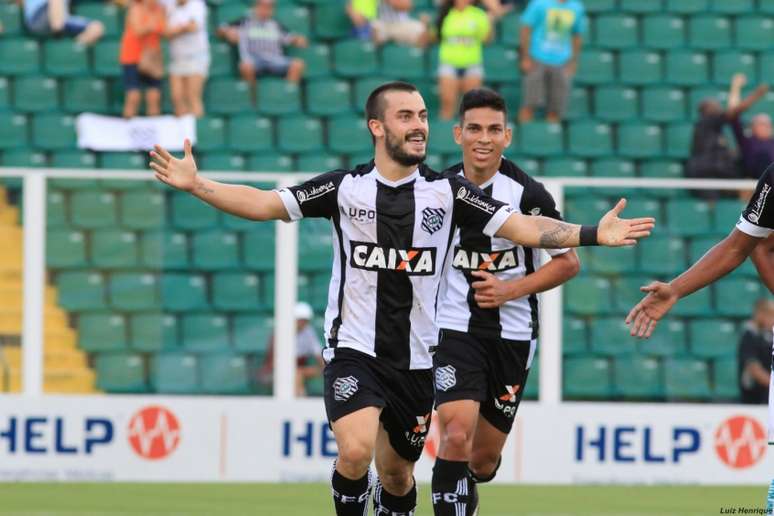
(313, 499)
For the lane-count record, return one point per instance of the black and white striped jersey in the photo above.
(473, 250)
(390, 241)
(757, 219)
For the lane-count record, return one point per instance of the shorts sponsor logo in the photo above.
(445, 378)
(344, 388)
(419, 261)
(416, 437)
(468, 197)
(432, 219)
(154, 432)
(760, 203)
(740, 442)
(505, 403)
(313, 192)
(492, 261)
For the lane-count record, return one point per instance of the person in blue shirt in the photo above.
(53, 17)
(551, 38)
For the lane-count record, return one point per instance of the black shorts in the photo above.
(354, 380)
(490, 370)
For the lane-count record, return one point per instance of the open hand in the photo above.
(646, 314)
(616, 232)
(177, 173)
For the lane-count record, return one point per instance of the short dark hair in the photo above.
(483, 97)
(374, 108)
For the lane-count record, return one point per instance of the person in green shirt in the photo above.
(362, 13)
(462, 31)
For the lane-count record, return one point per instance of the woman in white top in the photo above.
(189, 55)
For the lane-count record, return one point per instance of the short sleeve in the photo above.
(531, 14)
(757, 219)
(317, 197)
(475, 209)
(581, 22)
(484, 25)
(199, 15)
(536, 200)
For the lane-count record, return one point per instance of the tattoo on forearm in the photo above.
(203, 188)
(555, 234)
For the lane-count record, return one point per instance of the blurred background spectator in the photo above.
(309, 362)
(53, 17)
(141, 57)
(755, 354)
(394, 22)
(757, 149)
(189, 55)
(551, 39)
(462, 31)
(362, 13)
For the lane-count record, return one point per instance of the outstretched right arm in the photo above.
(243, 201)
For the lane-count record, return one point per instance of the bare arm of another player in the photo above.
(548, 233)
(763, 258)
(492, 292)
(716, 263)
(243, 201)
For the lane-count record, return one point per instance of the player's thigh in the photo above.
(488, 443)
(356, 434)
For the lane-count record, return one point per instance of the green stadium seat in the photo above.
(348, 135)
(665, 255)
(316, 254)
(586, 210)
(237, 223)
(65, 249)
(636, 377)
(85, 94)
(101, 332)
(205, 332)
(252, 333)
(215, 250)
(686, 68)
(184, 292)
(754, 33)
(686, 379)
(586, 378)
(725, 379)
(328, 97)
(56, 209)
(174, 373)
(225, 161)
(709, 32)
(228, 97)
(221, 60)
(319, 288)
(294, 18)
(613, 261)
(663, 32)
(36, 94)
(13, 131)
(317, 163)
(615, 103)
(637, 140)
(258, 249)
(300, 134)
(93, 209)
(661, 168)
(641, 6)
(224, 373)
(641, 67)
(210, 134)
(663, 104)
(712, 338)
(689, 217)
(670, 339)
(108, 14)
(726, 64)
(699, 246)
(727, 212)
(600, 6)
(11, 19)
(331, 22)
(627, 290)
(152, 332)
(317, 60)
(541, 139)
(105, 61)
(501, 64)
(235, 291)
(114, 249)
(405, 62)
(269, 162)
(687, 6)
(431, 95)
(120, 373)
(678, 139)
(590, 139)
(189, 213)
(610, 337)
(644, 207)
(574, 336)
(698, 304)
(509, 29)
(278, 97)
(735, 297)
(531, 390)
(565, 167)
(767, 67)
(616, 31)
(79, 291)
(133, 291)
(595, 67)
(250, 133)
(19, 56)
(441, 137)
(53, 131)
(588, 295)
(5, 94)
(733, 6)
(24, 158)
(123, 161)
(231, 12)
(363, 88)
(65, 58)
(352, 59)
(315, 386)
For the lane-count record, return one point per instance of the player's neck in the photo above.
(478, 176)
(392, 170)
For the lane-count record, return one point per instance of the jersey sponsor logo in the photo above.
(445, 378)
(419, 261)
(313, 192)
(466, 196)
(344, 388)
(760, 202)
(492, 261)
(360, 215)
(432, 219)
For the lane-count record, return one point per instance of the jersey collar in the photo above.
(394, 184)
(488, 182)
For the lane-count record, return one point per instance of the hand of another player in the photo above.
(646, 314)
(177, 173)
(491, 291)
(615, 232)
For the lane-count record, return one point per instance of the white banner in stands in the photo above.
(108, 133)
(253, 439)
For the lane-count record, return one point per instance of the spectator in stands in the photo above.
(189, 53)
(141, 57)
(261, 41)
(393, 22)
(309, 362)
(757, 149)
(53, 17)
(755, 354)
(462, 30)
(551, 38)
(362, 13)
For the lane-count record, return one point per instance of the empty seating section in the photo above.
(172, 296)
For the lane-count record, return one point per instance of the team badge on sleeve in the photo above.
(432, 219)
(344, 388)
(445, 378)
